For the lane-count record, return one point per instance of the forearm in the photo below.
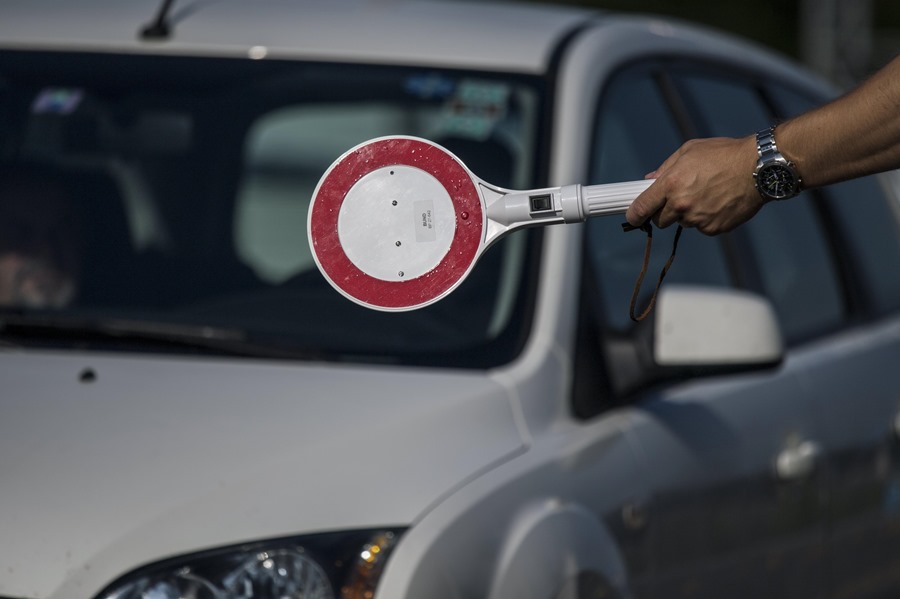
(708, 183)
(857, 134)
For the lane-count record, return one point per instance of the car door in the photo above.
(712, 517)
(849, 365)
(854, 374)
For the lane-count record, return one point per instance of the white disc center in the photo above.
(396, 223)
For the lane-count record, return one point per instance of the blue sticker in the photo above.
(57, 100)
(430, 86)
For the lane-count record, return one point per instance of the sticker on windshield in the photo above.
(57, 100)
(475, 109)
(430, 86)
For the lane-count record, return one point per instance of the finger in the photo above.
(667, 217)
(646, 205)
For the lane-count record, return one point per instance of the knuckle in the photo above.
(681, 206)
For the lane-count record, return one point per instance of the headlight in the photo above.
(323, 566)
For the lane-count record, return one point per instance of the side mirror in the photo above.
(693, 332)
(714, 328)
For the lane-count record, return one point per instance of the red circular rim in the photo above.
(350, 168)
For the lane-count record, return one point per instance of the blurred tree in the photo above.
(837, 38)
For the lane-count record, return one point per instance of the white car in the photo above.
(188, 409)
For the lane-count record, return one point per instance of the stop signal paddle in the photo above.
(397, 223)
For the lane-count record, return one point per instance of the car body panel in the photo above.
(549, 494)
(858, 421)
(112, 480)
(488, 36)
(110, 461)
(725, 438)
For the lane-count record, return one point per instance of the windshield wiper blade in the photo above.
(218, 339)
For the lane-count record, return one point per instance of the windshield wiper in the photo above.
(84, 329)
(159, 28)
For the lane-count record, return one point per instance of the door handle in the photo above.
(797, 461)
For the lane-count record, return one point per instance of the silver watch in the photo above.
(775, 176)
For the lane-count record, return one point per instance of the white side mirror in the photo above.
(703, 326)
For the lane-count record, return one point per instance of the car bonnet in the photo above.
(111, 462)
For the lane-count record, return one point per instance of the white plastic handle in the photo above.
(567, 204)
(611, 198)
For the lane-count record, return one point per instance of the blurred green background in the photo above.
(844, 40)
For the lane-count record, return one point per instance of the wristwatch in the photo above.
(775, 176)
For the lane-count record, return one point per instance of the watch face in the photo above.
(777, 181)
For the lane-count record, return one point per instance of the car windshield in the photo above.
(160, 203)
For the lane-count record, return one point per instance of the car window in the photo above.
(724, 107)
(789, 103)
(635, 131)
(865, 221)
(788, 247)
(190, 179)
(285, 153)
(288, 149)
(869, 236)
(795, 267)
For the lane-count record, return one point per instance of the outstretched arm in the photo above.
(708, 183)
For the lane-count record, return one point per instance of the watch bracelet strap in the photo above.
(765, 144)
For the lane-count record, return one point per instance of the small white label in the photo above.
(424, 213)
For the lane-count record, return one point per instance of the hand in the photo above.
(706, 184)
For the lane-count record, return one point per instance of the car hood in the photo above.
(111, 462)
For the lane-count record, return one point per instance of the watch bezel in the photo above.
(782, 166)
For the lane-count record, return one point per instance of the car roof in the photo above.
(479, 35)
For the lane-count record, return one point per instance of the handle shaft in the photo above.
(611, 198)
(569, 204)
